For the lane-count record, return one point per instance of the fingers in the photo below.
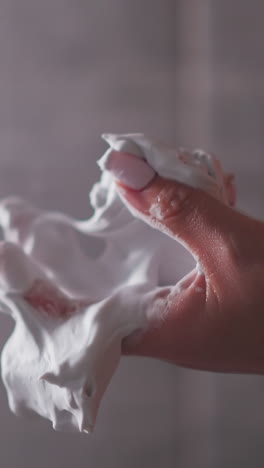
(196, 219)
(179, 334)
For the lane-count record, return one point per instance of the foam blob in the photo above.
(77, 288)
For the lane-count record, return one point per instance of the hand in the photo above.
(215, 320)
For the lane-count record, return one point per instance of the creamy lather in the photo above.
(72, 310)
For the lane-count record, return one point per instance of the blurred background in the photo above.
(190, 72)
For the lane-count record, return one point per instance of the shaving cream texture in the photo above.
(75, 288)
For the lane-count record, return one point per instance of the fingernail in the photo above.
(129, 170)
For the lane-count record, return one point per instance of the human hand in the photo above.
(213, 319)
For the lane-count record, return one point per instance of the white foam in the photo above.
(73, 311)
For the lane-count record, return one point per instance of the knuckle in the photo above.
(172, 202)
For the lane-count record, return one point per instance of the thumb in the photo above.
(196, 219)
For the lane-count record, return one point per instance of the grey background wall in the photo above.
(190, 72)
